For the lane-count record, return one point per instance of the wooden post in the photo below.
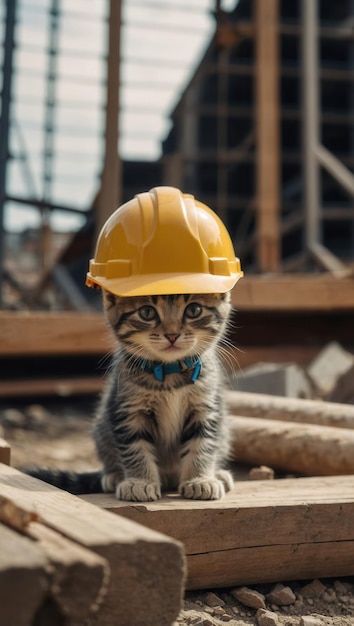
(267, 128)
(311, 130)
(109, 196)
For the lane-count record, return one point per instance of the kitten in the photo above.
(161, 424)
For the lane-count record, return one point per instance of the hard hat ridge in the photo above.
(164, 242)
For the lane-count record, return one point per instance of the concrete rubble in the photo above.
(329, 377)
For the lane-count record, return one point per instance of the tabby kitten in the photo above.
(161, 422)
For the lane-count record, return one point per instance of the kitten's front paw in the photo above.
(109, 481)
(137, 490)
(203, 489)
(226, 478)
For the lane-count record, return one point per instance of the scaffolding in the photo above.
(263, 132)
(55, 100)
(246, 139)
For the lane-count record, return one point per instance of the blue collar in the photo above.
(160, 370)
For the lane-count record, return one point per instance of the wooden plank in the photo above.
(5, 452)
(66, 332)
(147, 568)
(63, 387)
(78, 577)
(44, 333)
(262, 531)
(73, 578)
(23, 578)
(245, 355)
(268, 142)
(297, 292)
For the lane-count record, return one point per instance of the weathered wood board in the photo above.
(62, 387)
(23, 578)
(263, 531)
(146, 579)
(44, 568)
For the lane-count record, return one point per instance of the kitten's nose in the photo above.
(172, 338)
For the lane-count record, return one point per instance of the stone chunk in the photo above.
(281, 595)
(249, 597)
(315, 589)
(261, 473)
(311, 620)
(332, 373)
(211, 599)
(275, 379)
(267, 618)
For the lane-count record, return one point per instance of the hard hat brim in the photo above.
(162, 284)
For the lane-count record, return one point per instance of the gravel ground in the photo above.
(58, 434)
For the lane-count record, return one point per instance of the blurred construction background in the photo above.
(247, 104)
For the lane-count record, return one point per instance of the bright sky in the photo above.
(162, 43)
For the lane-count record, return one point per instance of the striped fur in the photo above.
(151, 435)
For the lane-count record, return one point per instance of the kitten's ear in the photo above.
(109, 299)
(225, 297)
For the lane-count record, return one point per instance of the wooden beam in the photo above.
(63, 387)
(329, 261)
(295, 292)
(306, 449)
(66, 332)
(290, 409)
(23, 579)
(146, 568)
(110, 193)
(44, 333)
(262, 531)
(268, 142)
(73, 579)
(78, 577)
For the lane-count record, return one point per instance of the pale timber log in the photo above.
(262, 531)
(290, 409)
(302, 448)
(146, 579)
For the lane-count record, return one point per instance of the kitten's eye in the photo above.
(193, 310)
(147, 313)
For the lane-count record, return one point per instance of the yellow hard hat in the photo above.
(164, 242)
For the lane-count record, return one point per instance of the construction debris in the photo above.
(332, 374)
(261, 473)
(281, 595)
(249, 597)
(278, 379)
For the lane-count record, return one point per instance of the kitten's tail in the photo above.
(75, 482)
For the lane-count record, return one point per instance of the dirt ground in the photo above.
(58, 434)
